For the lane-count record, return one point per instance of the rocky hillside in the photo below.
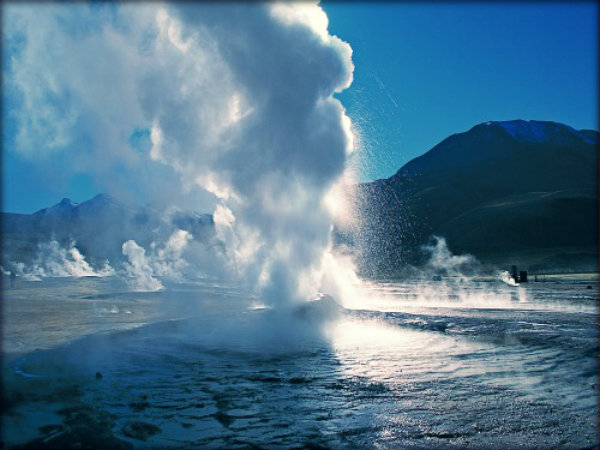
(516, 192)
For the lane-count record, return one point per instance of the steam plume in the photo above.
(52, 260)
(237, 101)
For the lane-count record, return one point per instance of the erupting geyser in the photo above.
(236, 99)
(271, 143)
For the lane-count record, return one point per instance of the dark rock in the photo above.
(223, 418)
(140, 430)
(83, 427)
(139, 406)
(299, 380)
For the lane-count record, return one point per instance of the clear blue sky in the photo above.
(423, 71)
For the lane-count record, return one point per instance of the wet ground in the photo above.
(416, 364)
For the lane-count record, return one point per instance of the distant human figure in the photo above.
(13, 277)
(514, 274)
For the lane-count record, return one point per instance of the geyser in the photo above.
(237, 100)
(277, 141)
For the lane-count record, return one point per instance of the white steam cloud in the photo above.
(443, 262)
(505, 277)
(143, 272)
(274, 142)
(139, 270)
(53, 260)
(234, 99)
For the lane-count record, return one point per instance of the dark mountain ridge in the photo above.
(497, 190)
(499, 141)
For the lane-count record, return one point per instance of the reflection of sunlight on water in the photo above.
(393, 358)
(381, 352)
(371, 349)
(258, 306)
(461, 293)
(370, 335)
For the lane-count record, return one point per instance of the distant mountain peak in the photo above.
(103, 202)
(65, 206)
(518, 191)
(503, 140)
(539, 131)
(102, 198)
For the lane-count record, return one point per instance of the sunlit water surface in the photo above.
(450, 364)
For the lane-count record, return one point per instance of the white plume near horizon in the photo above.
(53, 260)
(505, 277)
(442, 261)
(139, 271)
(144, 271)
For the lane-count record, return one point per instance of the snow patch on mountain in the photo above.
(539, 132)
(65, 206)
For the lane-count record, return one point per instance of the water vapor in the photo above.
(139, 272)
(52, 260)
(143, 271)
(234, 103)
(442, 261)
(505, 277)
